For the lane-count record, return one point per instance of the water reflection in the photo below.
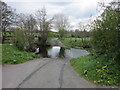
(60, 52)
(43, 52)
(54, 52)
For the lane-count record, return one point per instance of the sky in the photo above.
(78, 11)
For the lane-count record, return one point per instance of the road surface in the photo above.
(43, 73)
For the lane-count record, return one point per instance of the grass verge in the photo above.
(97, 69)
(11, 55)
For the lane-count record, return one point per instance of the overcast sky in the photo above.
(76, 10)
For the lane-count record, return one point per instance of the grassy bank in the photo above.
(99, 70)
(76, 42)
(11, 55)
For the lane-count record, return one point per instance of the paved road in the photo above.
(43, 73)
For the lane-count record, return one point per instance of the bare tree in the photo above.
(61, 22)
(21, 20)
(30, 27)
(82, 29)
(43, 25)
(6, 18)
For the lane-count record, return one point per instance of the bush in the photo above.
(63, 33)
(19, 39)
(23, 40)
(106, 35)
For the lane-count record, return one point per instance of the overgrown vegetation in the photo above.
(12, 55)
(106, 34)
(97, 69)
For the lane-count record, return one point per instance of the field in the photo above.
(77, 42)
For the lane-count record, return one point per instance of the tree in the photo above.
(106, 33)
(62, 33)
(61, 24)
(44, 26)
(6, 18)
(83, 31)
(28, 25)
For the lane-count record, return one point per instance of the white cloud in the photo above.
(76, 10)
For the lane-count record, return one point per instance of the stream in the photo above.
(60, 52)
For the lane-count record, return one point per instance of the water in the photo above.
(60, 52)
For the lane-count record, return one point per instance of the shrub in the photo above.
(106, 35)
(19, 38)
(23, 40)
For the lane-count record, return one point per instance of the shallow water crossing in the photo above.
(60, 52)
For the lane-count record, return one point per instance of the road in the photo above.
(43, 73)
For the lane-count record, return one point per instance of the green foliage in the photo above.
(62, 33)
(23, 40)
(101, 67)
(12, 55)
(106, 34)
(53, 34)
(77, 42)
(49, 42)
(97, 69)
(19, 38)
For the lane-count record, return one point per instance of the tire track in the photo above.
(62, 72)
(30, 75)
(61, 75)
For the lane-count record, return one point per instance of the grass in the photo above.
(97, 69)
(11, 55)
(76, 42)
